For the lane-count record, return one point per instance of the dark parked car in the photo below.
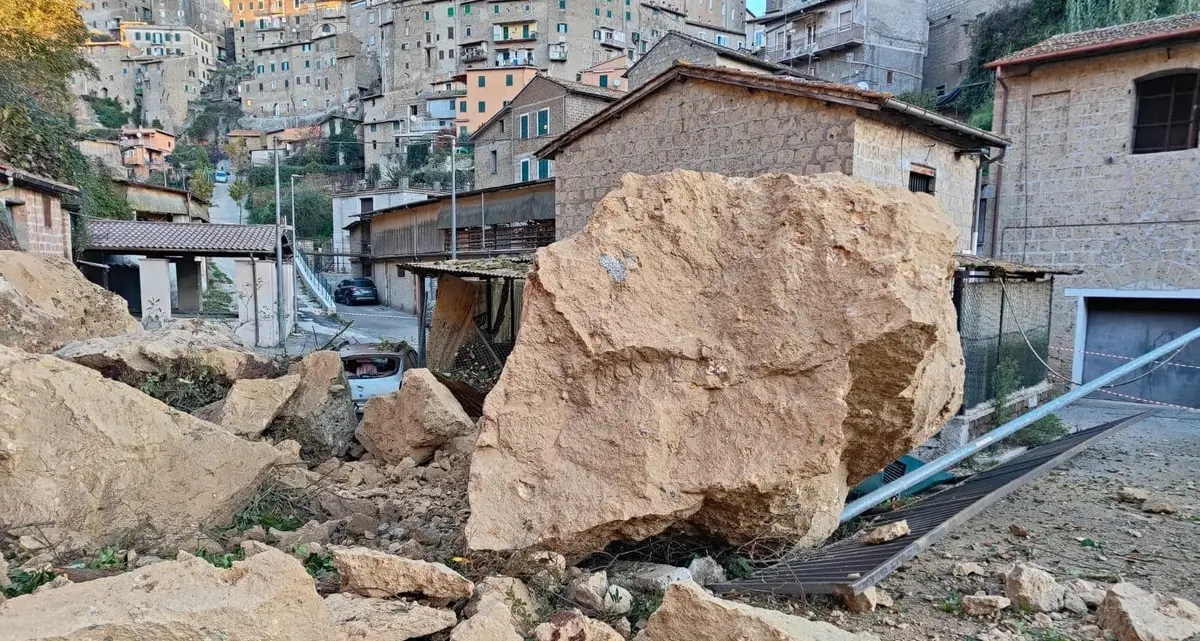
(356, 290)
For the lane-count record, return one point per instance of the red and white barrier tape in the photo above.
(1124, 358)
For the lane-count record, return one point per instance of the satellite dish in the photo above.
(863, 85)
(412, 118)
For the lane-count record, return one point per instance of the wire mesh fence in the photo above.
(995, 320)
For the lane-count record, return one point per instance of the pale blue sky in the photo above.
(757, 6)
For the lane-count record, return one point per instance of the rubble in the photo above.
(1085, 591)
(647, 577)
(268, 597)
(967, 569)
(101, 459)
(1132, 495)
(1133, 614)
(1033, 588)
(984, 605)
(837, 297)
(45, 302)
(131, 356)
(1159, 505)
(588, 591)
(376, 574)
(252, 404)
(492, 622)
(511, 593)
(867, 600)
(412, 422)
(885, 533)
(689, 613)
(365, 619)
(319, 415)
(706, 571)
(572, 625)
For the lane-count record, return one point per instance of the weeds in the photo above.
(1042, 431)
(186, 385)
(738, 568)
(24, 582)
(225, 560)
(283, 510)
(107, 559)
(317, 565)
(951, 604)
(645, 604)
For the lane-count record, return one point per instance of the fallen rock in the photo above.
(1086, 591)
(491, 622)
(1159, 505)
(635, 367)
(46, 302)
(130, 357)
(364, 619)
(689, 613)
(588, 591)
(983, 606)
(4, 580)
(647, 577)
(268, 597)
(865, 601)
(311, 532)
(1133, 614)
(967, 569)
(361, 524)
(1075, 604)
(1033, 588)
(706, 571)
(340, 506)
(376, 574)
(571, 625)
(102, 459)
(252, 404)
(1132, 495)
(887, 532)
(617, 600)
(412, 422)
(512, 594)
(319, 415)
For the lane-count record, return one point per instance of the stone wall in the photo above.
(706, 127)
(30, 222)
(885, 154)
(1072, 195)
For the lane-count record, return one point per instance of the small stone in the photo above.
(1132, 495)
(866, 601)
(617, 600)
(1018, 531)
(885, 533)
(588, 591)
(1042, 620)
(1074, 603)
(1159, 505)
(980, 606)
(362, 524)
(706, 571)
(967, 569)
(144, 560)
(255, 533)
(1031, 587)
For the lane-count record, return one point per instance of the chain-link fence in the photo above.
(995, 318)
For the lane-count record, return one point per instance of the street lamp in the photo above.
(279, 299)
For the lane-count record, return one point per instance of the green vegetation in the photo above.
(313, 205)
(317, 565)
(185, 385)
(107, 559)
(1006, 381)
(206, 125)
(738, 568)
(25, 582)
(200, 183)
(952, 604)
(225, 560)
(108, 111)
(925, 99)
(1042, 431)
(284, 510)
(645, 604)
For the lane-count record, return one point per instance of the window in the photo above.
(562, 27)
(496, 9)
(466, 9)
(259, 68)
(286, 65)
(921, 179)
(889, 77)
(47, 211)
(272, 67)
(241, 24)
(543, 122)
(543, 169)
(1167, 113)
(597, 11)
(562, 5)
(628, 16)
(426, 16)
(493, 161)
(449, 33)
(462, 106)
(502, 123)
(462, 131)
(603, 80)
(508, 80)
(524, 126)
(845, 20)
(525, 170)
(608, 13)
(450, 12)
(596, 32)
(176, 37)
(137, 35)
(482, 80)
(374, 127)
(482, 106)
(722, 40)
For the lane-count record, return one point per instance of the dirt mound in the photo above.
(101, 459)
(730, 353)
(45, 302)
(130, 357)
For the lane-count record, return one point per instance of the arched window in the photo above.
(1168, 112)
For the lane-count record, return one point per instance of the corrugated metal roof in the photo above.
(1100, 40)
(135, 237)
(500, 267)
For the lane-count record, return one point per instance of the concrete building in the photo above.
(116, 78)
(881, 43)
(208, 17)
(1103, 175)
(609, 74)
(545, 109)
(677, 46)
(950, 23)
(488, 90)
(167, 40)
(743, 124)
(307, 76)
(33, 218)
(168, 85)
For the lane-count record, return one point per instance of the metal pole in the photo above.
(927, 471)
(453, 200)
(279, 297)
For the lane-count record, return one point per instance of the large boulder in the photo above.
(363, 619)
(372, 573)
(412, 422)
(45, 302)
(101, 459)
(252, 404)
(1133, 614)
(729, 353)
(175, 346)
(267, 597)
(319, 415)
(689, 613)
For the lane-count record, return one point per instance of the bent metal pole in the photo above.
(945, 461)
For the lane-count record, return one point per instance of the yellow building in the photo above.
(488, 90)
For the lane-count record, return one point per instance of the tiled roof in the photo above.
(732, 54)
(135, 237)
(588, 90)
(244, 132)
(1098, 40)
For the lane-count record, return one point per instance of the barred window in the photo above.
(1167, 113)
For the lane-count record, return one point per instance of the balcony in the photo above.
(473, 52)
(558, 52)
(514, 33)
(612, 39)
(843, 37)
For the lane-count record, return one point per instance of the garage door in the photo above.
(1130, 327)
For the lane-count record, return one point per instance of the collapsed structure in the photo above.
(718, 352)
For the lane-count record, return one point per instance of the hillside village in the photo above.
(626, 320)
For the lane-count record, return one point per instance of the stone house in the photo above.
(544, 109)
(307, 76)
(680, 47)
(608, 74)
(116, 78)
(169, 85)
(881, 43)
(1103, 176)
(33, 218)
(741, 123)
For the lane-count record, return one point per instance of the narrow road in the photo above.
(224, 210)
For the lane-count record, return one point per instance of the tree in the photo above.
(236, 149)
(237, 191)
(200, 183)
(108, 111)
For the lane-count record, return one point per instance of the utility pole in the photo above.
(453, 198)
(279, 298)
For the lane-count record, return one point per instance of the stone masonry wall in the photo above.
(706, 127)
(30, 220)
(1072, 195)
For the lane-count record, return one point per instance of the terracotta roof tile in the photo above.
(588, 90)
(139, 236)
(1067, 44)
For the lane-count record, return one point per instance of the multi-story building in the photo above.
(167, 85)
(116, 78)
(145, 149)
(609, 74)
(207, 17)
(489, 89)
(171, 41)
(950, 23)
(261, 23)
(1103, 176)
(542, 111)
(310, 75)
(677, 46)
(881, 43)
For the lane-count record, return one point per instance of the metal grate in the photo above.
(849, 566)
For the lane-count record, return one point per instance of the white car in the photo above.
(374, 373)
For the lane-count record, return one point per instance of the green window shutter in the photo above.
(524, 171)
(508, 80)
(462, 106)
(524, 126)
(604, 80)
(466, 9)
(482, 106)
(543, 169)
(450, 11)
(597, 10)
(482, 80)
(543, 122)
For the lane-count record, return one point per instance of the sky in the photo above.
(757, 6)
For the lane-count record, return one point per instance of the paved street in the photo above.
(223, 211)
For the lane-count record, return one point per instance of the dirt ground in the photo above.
(1077, 529)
